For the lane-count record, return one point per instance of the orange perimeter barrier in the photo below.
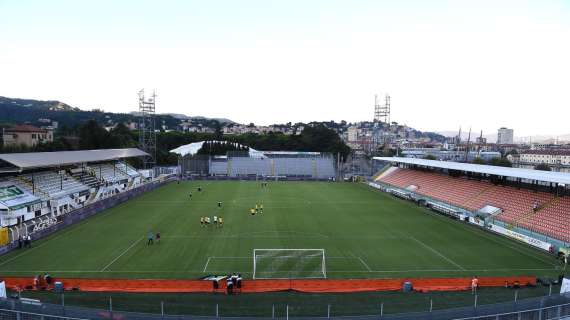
(252, 286)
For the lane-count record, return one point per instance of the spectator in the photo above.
(28, 241)
(20, 242)
(238, 285)
(47, 279)
(229, 285)
(474, 284)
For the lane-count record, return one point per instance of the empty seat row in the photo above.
(517, 205)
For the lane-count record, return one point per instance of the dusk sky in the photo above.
(480, 64)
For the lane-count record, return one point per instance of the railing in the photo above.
(541, 308)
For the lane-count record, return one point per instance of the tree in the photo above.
(478, 160)
(121, 137)
(218, 133)
(542, 167)
(93, 136)
(500, 162)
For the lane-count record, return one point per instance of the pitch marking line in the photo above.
(365, 264)
(438, 253)
(495, 239)
(361, 261)
(122, 254)
(206, 266)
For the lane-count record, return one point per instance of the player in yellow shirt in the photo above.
(252, 211)
(220, 222)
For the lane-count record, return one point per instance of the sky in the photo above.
(479, 64)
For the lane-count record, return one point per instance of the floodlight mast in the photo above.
(382, 111)
(147, 132)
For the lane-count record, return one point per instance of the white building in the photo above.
(505, 136)
(550, 157)
(352, 134)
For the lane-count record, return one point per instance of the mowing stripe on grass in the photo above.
(249, 272)
(438, 253)
(502, 241)
(122, 254)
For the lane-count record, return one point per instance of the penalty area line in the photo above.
(206, 266)
(362, 261)
(122, 254)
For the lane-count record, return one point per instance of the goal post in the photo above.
(289, 263)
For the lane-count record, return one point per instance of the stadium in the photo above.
(85, 234)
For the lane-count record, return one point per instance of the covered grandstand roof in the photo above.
(32, 160)
(530, 174)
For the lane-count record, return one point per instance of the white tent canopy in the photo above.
(194, 147)
(529, 174)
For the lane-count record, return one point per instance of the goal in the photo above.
(289, 263)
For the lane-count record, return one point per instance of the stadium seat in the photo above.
(516, 204)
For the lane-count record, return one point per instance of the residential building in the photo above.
(26, 135)
(352, 134)
(549, 157)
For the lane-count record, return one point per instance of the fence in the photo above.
(541, 308)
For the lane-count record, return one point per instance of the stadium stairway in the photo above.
(85, 177)
(469, 202)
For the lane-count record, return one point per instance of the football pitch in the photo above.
(362, 232)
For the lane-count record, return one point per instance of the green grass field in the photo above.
(365, 234)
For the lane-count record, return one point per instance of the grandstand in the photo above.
(50, 184)
(531, 200)
(257, 164)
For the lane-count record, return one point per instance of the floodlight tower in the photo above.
(382, 111)
(147, 133)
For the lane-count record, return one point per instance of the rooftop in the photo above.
(34, 160)
(559, 152)
(25, 128)
(530, 174)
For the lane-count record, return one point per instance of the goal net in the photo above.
(289, 263)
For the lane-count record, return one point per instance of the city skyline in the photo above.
(483, 64)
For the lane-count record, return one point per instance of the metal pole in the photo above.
(273, 312)
(550, 290)
(162, 308)
(111, 306)
(329, 311)
(430, 305)
(287, 310)
(475, 303)
(217, 311)
(516, 295)
(381, 309)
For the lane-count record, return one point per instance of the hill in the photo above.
(13, 110)
(50, 105)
